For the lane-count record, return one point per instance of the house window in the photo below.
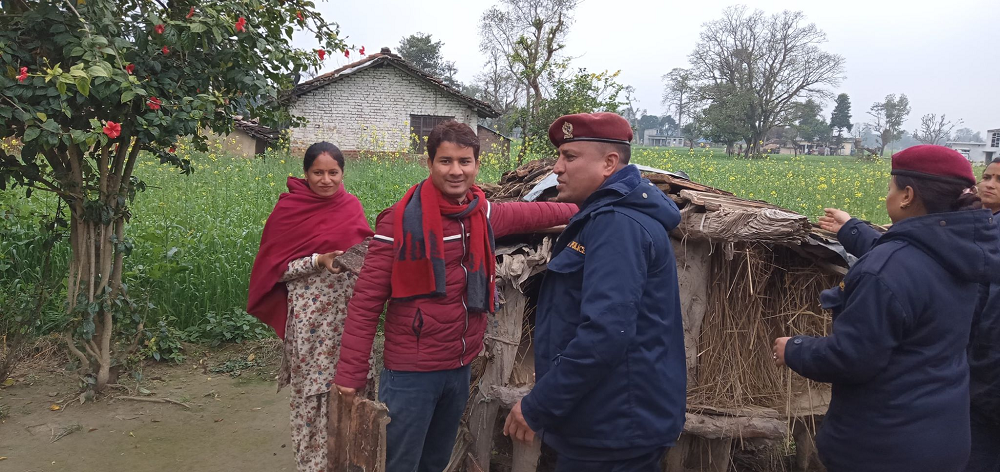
(420, 128)
(995, 140)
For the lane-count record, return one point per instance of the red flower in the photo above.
(298, 13)
(153, 103)
(321, 53)
(362, 50)
(159, 29)
(241, 25)
(112, 129)
(165, 50)
(130, 68)
(24, 75)
(347, 53)
(190, 13)
(171, 150)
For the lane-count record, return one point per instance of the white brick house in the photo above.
(377, 104)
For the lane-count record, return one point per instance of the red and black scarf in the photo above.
(418, 269)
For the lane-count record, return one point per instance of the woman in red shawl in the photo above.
(296, 289)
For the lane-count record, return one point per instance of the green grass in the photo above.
(196, 236)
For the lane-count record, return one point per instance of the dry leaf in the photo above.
(55, 407)
(251, 357)
(92, 430)
(8, 382)
(218, 420)
(3, 458)
(131, 434)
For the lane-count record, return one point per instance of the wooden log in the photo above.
(694, 269)
(356, 434)
(677, 184)
(526, 456)
(504, 336)
(724, 427)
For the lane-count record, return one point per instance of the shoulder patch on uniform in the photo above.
(577, 247)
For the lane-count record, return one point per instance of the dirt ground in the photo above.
(236, 420)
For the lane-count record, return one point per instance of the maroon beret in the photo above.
(929, 161)
(602, 127)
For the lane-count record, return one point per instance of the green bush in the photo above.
(234, 326)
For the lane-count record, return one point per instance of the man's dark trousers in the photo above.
(425, 409)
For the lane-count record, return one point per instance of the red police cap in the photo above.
(601, 127)
(929, 161)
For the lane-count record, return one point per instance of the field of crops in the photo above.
(196, 236)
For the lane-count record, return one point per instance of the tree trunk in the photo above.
(97, 229)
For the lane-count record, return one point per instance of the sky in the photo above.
(945, 56)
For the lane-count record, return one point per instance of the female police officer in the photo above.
(897, 353)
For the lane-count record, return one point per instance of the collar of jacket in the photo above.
(617, 187)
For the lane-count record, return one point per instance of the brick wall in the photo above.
(370, 111)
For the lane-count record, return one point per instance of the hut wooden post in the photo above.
(504, 336)
(525, 456)
(356, 434)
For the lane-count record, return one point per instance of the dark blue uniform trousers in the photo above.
(649, 462)
(985, 455)
(425, 409)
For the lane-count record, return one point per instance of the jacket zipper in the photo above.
(461, 360)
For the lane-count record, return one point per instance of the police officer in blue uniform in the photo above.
(609, 349)
(896, 357)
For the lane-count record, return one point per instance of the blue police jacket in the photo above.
(984, 345)
(609, 345)
(897, 353)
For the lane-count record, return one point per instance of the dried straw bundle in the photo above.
(761, 293)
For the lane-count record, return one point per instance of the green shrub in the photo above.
(234, 326)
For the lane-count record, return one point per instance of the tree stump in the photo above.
(356, 434)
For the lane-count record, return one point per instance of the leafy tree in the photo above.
(934, 130)
(582, 92)
(680, 93)
(693, 130)
(840, 119)
(669, 126)
(774, 59)
(425, 53)
(91, 88)
(725, 120)
(967, 135)
(810, 126)
(646, 122)
(887, 119)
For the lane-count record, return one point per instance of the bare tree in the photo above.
(933, 130)
(500, 87)
(888, 117)
(529, 34)
(680, 93)
(774, 59)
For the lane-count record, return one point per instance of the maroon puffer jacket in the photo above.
(427, 334)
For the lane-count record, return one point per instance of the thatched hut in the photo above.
(748, 271)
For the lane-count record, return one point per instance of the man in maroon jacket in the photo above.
(433, 260)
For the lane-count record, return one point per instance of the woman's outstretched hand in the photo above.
(834, 219)
(778, 351)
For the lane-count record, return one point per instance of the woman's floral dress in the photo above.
(317, 304)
